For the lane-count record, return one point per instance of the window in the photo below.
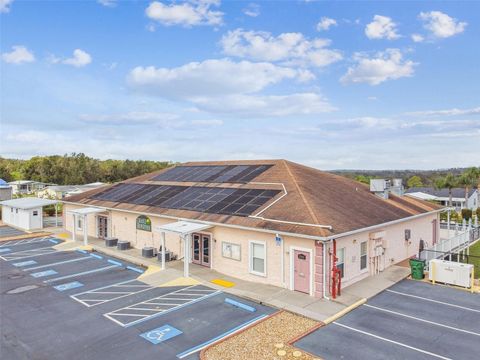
(231, 251)
(363, 255)
(341, 261)
(35, 213)
(79, 223)
(11, 210)
(257, 258)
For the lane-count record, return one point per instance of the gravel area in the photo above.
(266, 340)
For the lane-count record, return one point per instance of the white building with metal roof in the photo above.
(25, 213)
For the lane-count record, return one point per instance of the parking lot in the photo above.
(6, 231)
(81, 305)
(409, 320)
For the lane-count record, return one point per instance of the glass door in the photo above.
(196, 244)
(205, 250)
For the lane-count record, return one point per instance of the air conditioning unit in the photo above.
(449, 272)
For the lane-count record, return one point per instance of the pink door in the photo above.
(301, 271)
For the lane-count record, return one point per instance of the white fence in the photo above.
(454, 245)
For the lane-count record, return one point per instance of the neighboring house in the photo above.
(442, 196)
(62, 191)
(5, 190)
(25, 187)
(272, 221)
(25, 213)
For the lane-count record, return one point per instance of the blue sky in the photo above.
(352, 85)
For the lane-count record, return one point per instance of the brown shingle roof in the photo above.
(313, 197)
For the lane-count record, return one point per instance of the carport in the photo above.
(184, 229)
(83, 214)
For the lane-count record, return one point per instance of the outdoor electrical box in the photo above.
(449, 272)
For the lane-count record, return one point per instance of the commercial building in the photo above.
(270, 221)
(442, 196)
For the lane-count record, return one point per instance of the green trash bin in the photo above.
(417, 266)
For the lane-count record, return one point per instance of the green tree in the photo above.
(447, 182)
(468, 180)
(414, 181)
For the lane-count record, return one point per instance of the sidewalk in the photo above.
(314, 308)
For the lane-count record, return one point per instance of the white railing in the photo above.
(454, 245)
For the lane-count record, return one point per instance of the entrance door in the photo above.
(301, 271)
(102, 227)
(201, 249)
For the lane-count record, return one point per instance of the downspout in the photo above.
(324, 250)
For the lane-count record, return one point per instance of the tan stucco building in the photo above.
(270, 221)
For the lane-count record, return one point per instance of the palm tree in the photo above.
(467, 179)
(447, 182)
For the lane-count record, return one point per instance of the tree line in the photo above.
(75, 169)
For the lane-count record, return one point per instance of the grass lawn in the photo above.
(475, 258)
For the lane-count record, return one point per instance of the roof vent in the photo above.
(397, 187)
(380, 187)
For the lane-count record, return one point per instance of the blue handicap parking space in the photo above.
(24, 263)
(163, 333)
(68, 286)
(44, 273)
(4, 250)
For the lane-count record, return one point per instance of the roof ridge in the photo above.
(304, 199)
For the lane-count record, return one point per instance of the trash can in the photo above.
(417, 266)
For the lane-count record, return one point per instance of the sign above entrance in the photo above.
(144, 223)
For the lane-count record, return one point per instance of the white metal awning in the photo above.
(86, 211)
(182, 227)
(28, 203)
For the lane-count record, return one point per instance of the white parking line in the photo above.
(28, 253)
(58, 263)
(434, 301)
(157, 312)
(24, 241)
(392, 341)
(89, 302)
(80, 274)
(422, 320)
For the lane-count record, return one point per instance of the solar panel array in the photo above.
(215, 173)
(240, 202)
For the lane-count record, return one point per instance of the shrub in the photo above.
(467, 214)
(478, 213)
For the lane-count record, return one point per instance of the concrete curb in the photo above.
(344, 311)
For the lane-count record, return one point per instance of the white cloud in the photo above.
(5, 6)
(133, 118)
(252, 10)
(448, 112)
(386, 65)
(382, 27)
(211, 78)
(326, 23)
(417, 38)
(207, 123)
(19, 54)
(292, 48)
(441, 25)
(80, 58)
(267, 105)
(188, 13)
(108, 3)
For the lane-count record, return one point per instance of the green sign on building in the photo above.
(144, 223)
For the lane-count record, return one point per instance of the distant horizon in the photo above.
(180, 162)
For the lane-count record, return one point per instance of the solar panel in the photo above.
(213, 173)
(225, 201)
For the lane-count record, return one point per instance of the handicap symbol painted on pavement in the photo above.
(163, 333)
(44, 273)
(25, 263)
(68, 286)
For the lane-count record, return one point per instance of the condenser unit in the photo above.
(449, 272)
